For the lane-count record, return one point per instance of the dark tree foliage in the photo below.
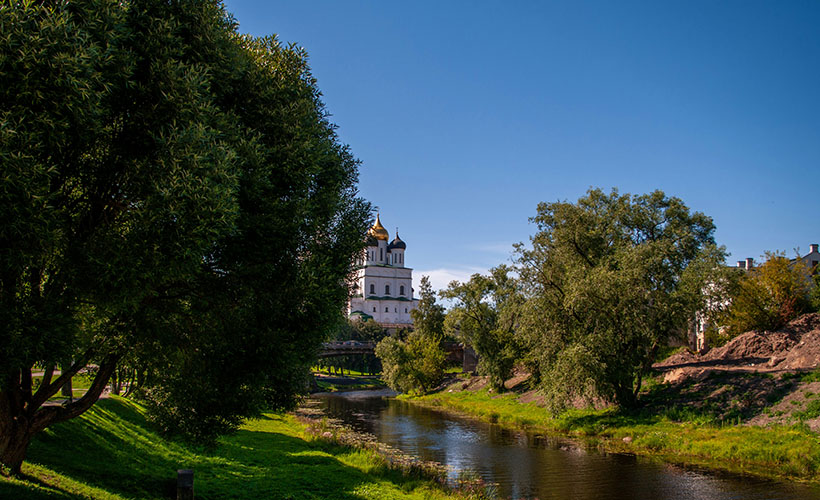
(361, 330)
(174, 198)
(486, 316)
(610, 278)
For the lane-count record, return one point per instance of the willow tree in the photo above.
(485, 316)
(173, 197)
(609, 279)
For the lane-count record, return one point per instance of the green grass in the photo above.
(812, 411)
(339, 372)
(359, 385)
(675, 434)
(112, 453)
(80, 384)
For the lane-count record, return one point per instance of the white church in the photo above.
(383, 289)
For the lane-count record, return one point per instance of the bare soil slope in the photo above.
(757, 376)
(795, 347)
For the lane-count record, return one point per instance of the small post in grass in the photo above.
(185, 484)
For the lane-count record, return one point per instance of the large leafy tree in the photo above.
(610, 278)
(485, 316)
(415, 364)
(173, 197)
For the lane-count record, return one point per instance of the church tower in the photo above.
(383, 289)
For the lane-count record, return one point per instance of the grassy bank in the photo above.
(338, 383)
(791, 452)
(112, 453)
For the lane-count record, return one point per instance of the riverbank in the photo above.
(711, 435)
(112, 453)
(341, 383)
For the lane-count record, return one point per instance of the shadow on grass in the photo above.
(111, 448)
(273, 465)
(721, 397)
(33, 490)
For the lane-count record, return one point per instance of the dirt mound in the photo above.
(805, 355)
(753, 346)
(796, 346)
(679, 358)
(803, 324)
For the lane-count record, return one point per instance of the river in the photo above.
(527, 465)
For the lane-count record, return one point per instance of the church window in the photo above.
(405, 309)
(387, 289)
(381, 253)
(395, 309)
(374, 308)
(372, 289)
(401, 290)
(386, 309)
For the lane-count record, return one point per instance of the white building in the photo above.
(812, 259)
(384, 286)
(718, 300)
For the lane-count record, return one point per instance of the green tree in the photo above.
(485, 316)
(815, 291)
(415, 365)
(609, 279)
(770, 295)
(367, 331)
(174, 198)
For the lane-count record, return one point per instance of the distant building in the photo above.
(698, 327)
(812, 259)
(383, 289)
(717, 300)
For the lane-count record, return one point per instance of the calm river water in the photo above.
(526, 465)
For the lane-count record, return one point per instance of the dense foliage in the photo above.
(174, 198)
(770, 295)
(608, 280)
(485, 317)
(415, 364)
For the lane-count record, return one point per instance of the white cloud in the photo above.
(501, 248)
(440, 278)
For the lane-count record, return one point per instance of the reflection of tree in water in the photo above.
(527, 465)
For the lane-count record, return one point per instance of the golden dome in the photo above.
(378, 231)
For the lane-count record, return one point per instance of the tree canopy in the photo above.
(770, 295)
(415, 364)
(610, 278)
(485, 316)
(173, 196)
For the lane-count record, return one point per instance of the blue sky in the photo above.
(465, 115)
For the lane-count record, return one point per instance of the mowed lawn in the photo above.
(112, 453)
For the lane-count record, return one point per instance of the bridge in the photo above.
(454, 350)
(348, 347)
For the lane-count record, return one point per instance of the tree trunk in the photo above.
(13, 445)
(22, 414)
(67, 390)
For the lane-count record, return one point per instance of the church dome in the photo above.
(397, 243)
(378, 231)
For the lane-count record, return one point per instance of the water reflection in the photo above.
(528, 465)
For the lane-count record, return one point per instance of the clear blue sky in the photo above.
(465, 115)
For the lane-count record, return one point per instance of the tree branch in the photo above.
(54, 414)
(46, 391)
